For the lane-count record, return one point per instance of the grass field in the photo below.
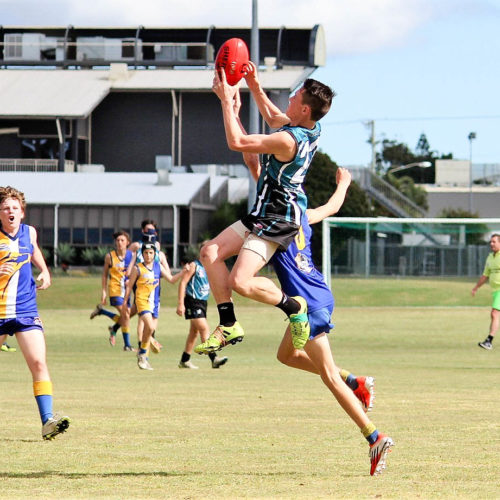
(255, 428)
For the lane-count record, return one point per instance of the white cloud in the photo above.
(351, 26)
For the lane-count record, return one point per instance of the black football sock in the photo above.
(288, 305)
(226, 314)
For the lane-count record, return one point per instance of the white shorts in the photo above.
(260, 246)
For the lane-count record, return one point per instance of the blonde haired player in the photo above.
(18, 308)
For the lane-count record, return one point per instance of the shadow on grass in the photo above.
(83, 475)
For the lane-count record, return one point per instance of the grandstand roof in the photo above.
(50, 94)
(132, 189)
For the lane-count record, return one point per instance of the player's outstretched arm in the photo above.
(281, 144)
(272, 115)
(332, 206)
(39, 262)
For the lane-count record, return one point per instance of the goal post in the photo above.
(386, 246)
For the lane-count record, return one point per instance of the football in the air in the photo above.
(233, 58)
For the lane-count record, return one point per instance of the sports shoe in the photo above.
(143, 362)
(299, 325)
(365, 392)
(112, 336)
(54, 426)
(7, 348)
(378, 453)
(128, 348)
(188, 364)
(217, 362)
(155, 346)
(96, 311)
(486, 344)
(221, 336)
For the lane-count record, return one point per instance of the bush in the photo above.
(66, 253)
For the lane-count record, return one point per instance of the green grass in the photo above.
(255, 428)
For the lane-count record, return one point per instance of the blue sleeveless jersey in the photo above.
(198, 286)
(279, 188)
(297, 274)
(18, 288)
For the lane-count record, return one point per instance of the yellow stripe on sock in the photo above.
(145, 345)
(116, 318)
(344, 374)
(125, 329)
(368, 429)
(42, 388)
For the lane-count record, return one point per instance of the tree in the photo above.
(319, 186)
(474, 233)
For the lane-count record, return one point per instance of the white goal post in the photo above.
(407, 246)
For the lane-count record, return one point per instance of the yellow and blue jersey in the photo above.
(17, 288)
(297, 274)
(147, 289)
(116, 273)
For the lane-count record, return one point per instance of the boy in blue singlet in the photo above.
(18, 308)
(298, 275)
(275, 217)
(192, 297)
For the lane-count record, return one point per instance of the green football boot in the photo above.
(221, 336)
(299, 325)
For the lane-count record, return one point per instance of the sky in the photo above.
(411, 66)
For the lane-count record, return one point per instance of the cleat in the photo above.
(299, 325)
(365, 392)
(143, 362)
(155, 346)
(221, 336)
(378, 454)
(7, 348)
(96, 311)
(486, 344)
(217, 362)
(187, 364)
(54, 426)
(112, 336)
(128, 348)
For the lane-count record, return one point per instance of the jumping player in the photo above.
(297, 275)
(114, 277)
(18, 308)
(275, 217)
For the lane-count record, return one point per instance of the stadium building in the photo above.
(90, 113)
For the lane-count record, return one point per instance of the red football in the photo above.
(233, 59)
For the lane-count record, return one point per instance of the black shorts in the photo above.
(195, 308)
(276, 230)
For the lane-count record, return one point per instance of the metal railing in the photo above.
(34, 165)
(386, 194)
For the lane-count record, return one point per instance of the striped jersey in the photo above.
(147, 291)
(116, 273)
(198, 286)
(297, 274)
(279, 187)
(17, 288)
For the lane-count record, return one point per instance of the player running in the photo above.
(18, 307)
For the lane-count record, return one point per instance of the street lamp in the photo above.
(471, 137)
(421, 164)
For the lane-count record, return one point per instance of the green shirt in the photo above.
(492, 270)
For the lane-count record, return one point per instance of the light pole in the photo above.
(421, 164)
(471, 137)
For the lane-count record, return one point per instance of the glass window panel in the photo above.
(93, 235)
(78, 235)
